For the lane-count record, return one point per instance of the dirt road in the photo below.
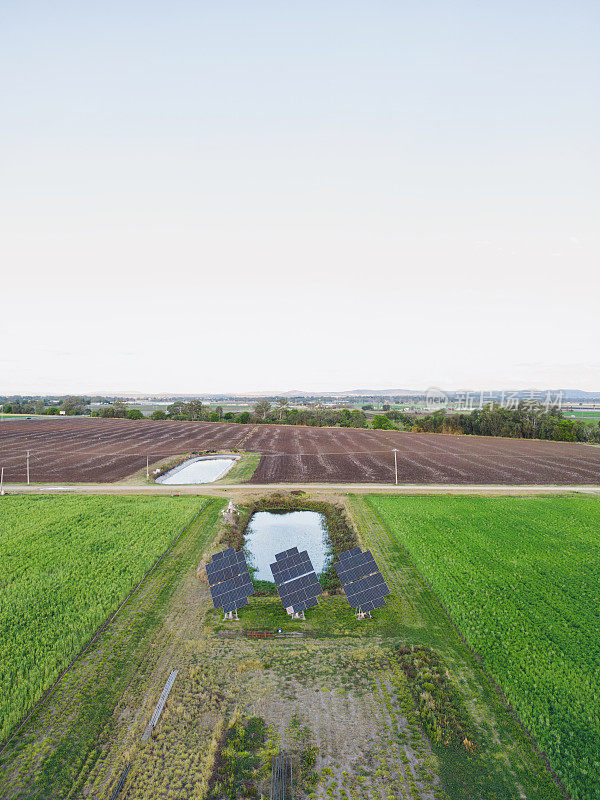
(314, 489)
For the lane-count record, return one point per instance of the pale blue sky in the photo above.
(378, 194)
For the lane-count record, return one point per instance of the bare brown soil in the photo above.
(109, 450)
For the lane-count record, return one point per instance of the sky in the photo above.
(267, 196)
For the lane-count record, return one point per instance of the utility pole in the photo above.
(28, 468)
(147, 467)
(396, 463)
(2, 481)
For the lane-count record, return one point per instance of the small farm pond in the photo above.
(198, 470)
(270, 532)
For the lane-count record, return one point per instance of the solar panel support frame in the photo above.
(296, 582)
(362, 581)
(229, 581)
(295, 614)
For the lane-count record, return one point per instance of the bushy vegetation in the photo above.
(440, 705)
(65, 564)
(525, 421)
(243, 760)
(69, 405)
(263, 413)
(520, 578)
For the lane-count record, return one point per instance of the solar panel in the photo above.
(286, 553)
(229, 580)
(361, 579)
(296, 580)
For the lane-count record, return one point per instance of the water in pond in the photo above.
(197, 470)
(271, 532)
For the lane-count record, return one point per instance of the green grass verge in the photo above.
(242, 470)
(333, 617)
(520, 577)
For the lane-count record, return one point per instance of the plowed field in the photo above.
(109, 450)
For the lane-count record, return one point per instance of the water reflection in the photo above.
(270, 532)
(197, 470)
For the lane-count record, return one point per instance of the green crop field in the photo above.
(520, 578)
(586, 416)
(65, 564)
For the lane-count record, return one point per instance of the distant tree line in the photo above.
(525, 421)
(70, 405)
(282, 413)
(118, 409)
(264, 413)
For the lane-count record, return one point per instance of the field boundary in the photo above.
(217, 488)
(95, 636)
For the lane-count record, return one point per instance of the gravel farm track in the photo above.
(97, 450)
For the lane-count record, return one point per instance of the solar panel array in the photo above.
(296, 580)
(362, 581)
(229, 580)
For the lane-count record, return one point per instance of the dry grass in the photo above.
(347, 700)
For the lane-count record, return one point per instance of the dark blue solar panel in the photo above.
(349, 553)
(229, 580)
(363, 583)
(296, 581)
(286, 553)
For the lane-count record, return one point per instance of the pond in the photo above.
(270, 532)
(204, 469)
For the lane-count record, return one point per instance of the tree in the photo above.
(8, 409)
(382, 423)
(117, 409)
(344, 418)
(282, 406)
(73, 405)
(177, 408)
(319, 415)
(262, 408)
(193, 410)
(120, 408)
(359, 420)
(243, 417)
(158, 414)
(134, 413)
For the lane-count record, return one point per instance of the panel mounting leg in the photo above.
(295, 614)
(231, 615)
